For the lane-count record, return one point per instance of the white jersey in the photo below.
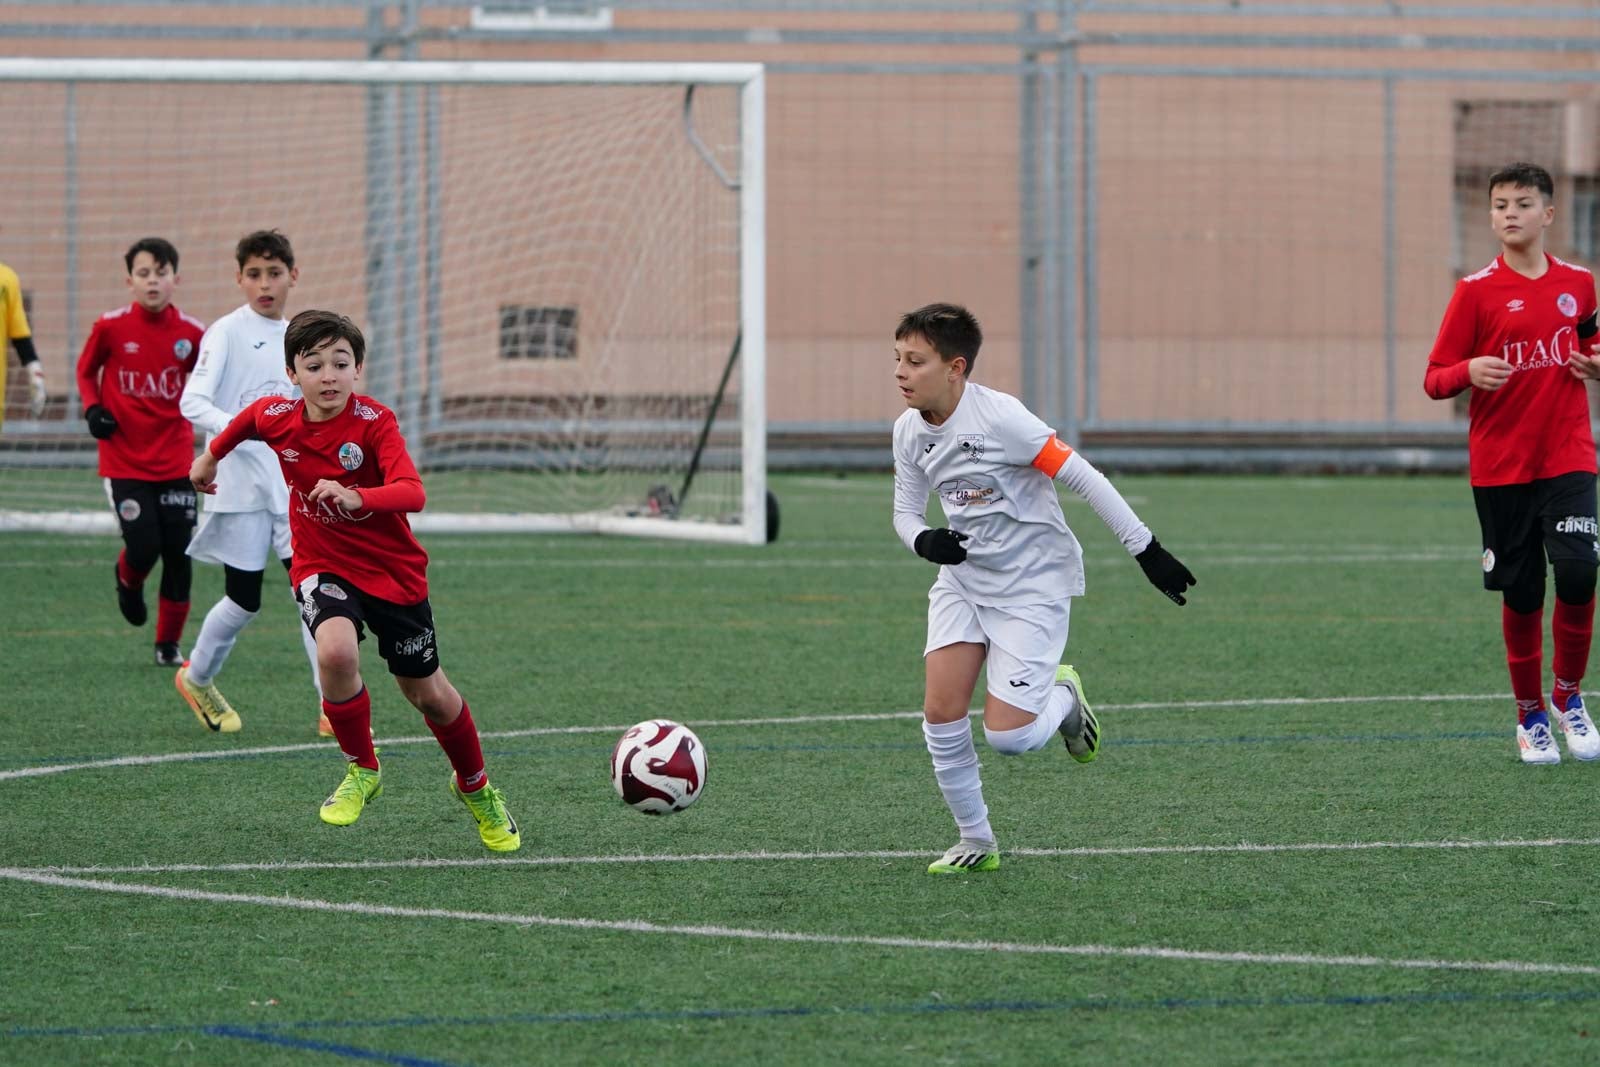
(978, 461)
(241, 360)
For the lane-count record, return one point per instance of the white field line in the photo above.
(707, 724)
(767, 856)
(796, 937)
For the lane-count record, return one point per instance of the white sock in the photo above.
(216, 640)
(310, 644)
(1036, 735)
(955, 766)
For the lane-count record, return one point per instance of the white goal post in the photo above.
(560, 267)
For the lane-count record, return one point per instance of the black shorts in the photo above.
(1524, 524)
(405, 631)
(169, 504)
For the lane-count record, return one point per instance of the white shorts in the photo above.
(1025, 643)
(240, 539)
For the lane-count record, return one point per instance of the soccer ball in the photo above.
(658, 767)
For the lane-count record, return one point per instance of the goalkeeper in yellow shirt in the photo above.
(14, 322)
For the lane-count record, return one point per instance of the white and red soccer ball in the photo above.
(658, 767)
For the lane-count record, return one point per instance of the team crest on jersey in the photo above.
(971, 445)
(181, 349)
(350, 456)
(328, 589)
(129, 510)
(1567, 304)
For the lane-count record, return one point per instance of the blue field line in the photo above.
(275, 1032)
(590, 752)
(349, 1052)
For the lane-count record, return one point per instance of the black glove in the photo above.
(1165, 572)
(102, 424)
(941, 546)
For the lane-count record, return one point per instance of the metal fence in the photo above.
(1198, 233)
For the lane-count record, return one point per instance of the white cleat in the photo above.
(1582, 740)
(1536, 743)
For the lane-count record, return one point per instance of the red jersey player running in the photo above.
(1511, 334)
(356, 562)
(130, 376)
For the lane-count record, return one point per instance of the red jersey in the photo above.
(134, 365)
(1536, 425)
(361, 448)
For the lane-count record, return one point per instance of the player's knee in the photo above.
(1010, 742)
(1575, 580)
(338, 659)
(142, 543)
(1525, 597)
(243, 587)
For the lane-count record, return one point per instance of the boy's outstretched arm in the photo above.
(1069, 467)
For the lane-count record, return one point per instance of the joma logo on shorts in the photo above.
(1578, 524)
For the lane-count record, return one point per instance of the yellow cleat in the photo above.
(207, 703)
(495, 825)
(345, 803)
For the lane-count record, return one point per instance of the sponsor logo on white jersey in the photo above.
(964, 492)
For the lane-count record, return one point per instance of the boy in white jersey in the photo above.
(241, 360)
(1009, 565)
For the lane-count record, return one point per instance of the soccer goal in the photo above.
(559, 267)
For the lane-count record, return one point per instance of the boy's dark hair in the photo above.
(313, 329)
(160, 250)
(268, 244)
(950, 328)
(1525, 176)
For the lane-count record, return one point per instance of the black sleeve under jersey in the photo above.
(1587, 328)
(27, 355)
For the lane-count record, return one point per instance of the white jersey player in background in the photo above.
(1009, 565)
(241, 360)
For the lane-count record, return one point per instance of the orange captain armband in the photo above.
(1053, 456)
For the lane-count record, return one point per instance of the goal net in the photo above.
(559, 267)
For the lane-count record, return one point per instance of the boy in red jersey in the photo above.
(130, 376)
(1512, 334)
(356, 562)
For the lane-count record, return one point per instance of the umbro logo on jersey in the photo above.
(258, 344)
(290, 455)
(130, 347)
(928, 448)
(1514, 305)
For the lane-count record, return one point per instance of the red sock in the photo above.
(352, 726)
(1572, 627)
(170, 617)
(127, 575)
(460, 742)
(1524, 636)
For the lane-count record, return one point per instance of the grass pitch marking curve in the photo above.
(1156, 952)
